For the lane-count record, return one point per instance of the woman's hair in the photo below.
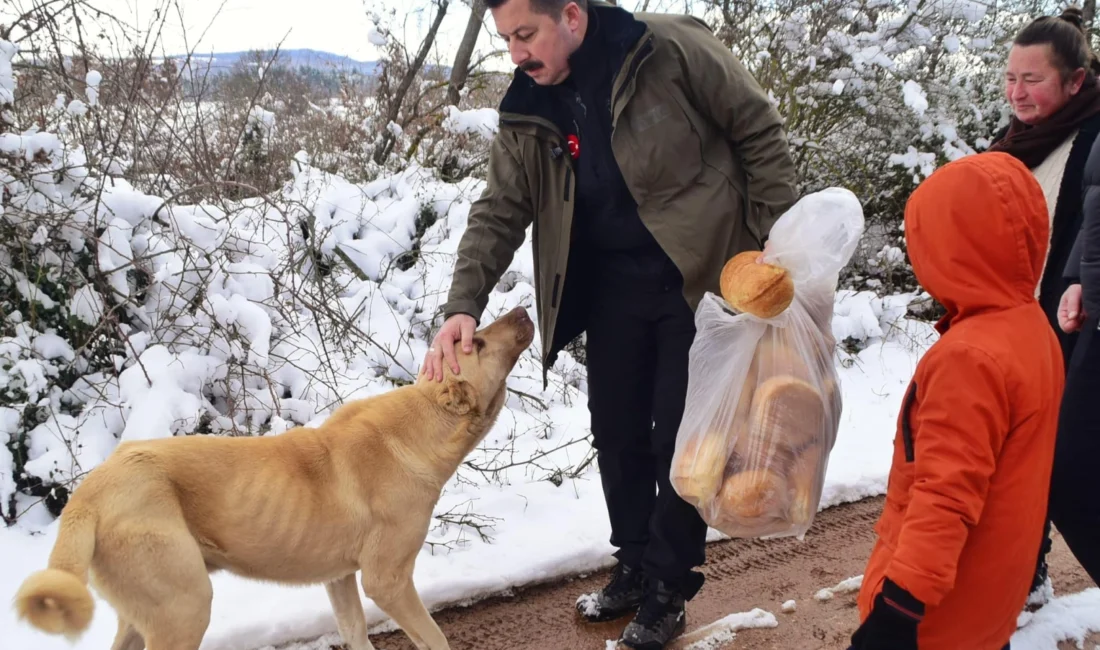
(1067, 38)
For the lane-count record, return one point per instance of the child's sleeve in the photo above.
(958, 429)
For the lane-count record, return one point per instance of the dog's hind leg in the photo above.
(127, 637)
(344, 596)
(396, 595)
(155, 578)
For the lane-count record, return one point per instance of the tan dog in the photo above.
(309, 506)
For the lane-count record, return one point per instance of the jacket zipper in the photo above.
(906, 426)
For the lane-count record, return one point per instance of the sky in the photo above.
(337, 26)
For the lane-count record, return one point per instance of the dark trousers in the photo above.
(1074, 493)
(639, 336)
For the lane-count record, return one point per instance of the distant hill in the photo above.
(223, 62)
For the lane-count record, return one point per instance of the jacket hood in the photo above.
(977, 231)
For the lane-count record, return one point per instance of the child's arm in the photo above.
(958, 429)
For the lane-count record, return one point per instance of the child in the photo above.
(972, 460)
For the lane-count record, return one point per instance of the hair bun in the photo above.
(1074, 16)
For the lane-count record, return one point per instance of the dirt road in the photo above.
(741, 576)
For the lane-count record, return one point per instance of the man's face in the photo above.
(540, 44)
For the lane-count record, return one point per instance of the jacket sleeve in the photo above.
(723, 89)
(959, 424)
(496, 228)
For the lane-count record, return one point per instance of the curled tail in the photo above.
(57, 600)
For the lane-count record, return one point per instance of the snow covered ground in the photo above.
(541, 519)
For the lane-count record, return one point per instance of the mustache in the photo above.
(529, 66)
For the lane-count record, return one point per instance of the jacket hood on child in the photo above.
(974, 444)
(977, 233)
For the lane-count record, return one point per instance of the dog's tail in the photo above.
(56, 600)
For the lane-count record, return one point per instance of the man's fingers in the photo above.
(448, 345)
(467, 337)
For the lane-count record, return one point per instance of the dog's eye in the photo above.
(480, 344)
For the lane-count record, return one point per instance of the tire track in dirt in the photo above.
(741, 575)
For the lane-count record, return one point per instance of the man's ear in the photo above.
(458, 397)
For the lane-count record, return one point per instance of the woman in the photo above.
(1051, 85)
(1073, 505)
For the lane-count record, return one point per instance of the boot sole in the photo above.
(604, 616)
(676, 633)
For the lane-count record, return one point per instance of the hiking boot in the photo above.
(660, 619)
(622, 595)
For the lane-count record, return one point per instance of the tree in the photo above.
(460, 71)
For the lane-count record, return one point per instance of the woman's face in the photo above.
(1033, 85)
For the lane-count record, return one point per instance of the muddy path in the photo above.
(742, 575)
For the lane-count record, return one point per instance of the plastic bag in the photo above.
(763, 399)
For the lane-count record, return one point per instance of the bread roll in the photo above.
(763, 290)
(753, 494)
(803, 482)
(697, 470)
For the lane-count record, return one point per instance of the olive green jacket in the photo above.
(699, 144)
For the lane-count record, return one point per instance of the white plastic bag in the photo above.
(763, 399)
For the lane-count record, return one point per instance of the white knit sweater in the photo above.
(1049, 174)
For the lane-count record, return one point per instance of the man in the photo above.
(645, 156)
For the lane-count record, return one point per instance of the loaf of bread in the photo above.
(768, 483)
(786, 410)
(697, 471)
(763, 290)
(752, 494)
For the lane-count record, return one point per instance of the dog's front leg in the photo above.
(344, 596)
(395, 594)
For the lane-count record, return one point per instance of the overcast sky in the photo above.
(337, 26)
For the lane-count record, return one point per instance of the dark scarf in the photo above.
(1032, 144)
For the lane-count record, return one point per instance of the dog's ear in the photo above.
(458, 397)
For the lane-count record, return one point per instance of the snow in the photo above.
(720, 633)
(789, 607)
(1069, 618)
(7, 76)
(92, 79)
(77, 108)
(213, 329)
(376, 38)
(851, 585)
(914, 96)
(482, 121)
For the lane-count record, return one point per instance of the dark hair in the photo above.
(547, 7)
(1067, 38)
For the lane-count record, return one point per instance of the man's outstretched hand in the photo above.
(459, 327)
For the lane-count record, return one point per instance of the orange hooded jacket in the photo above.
(967, 491)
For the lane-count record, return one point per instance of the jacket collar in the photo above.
(613, 31)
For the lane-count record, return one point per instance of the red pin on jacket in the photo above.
(574, 146)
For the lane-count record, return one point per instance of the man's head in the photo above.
(541, 34)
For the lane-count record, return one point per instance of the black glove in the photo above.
(892, 623)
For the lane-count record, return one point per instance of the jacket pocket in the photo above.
(662, 142)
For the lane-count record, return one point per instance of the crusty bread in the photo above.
(788, 411)
(697, 472)
(752, 494)
(763, 290)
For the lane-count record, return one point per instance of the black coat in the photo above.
(1084, 260)
(1068, 217)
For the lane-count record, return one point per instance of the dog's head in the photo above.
(480, 386)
